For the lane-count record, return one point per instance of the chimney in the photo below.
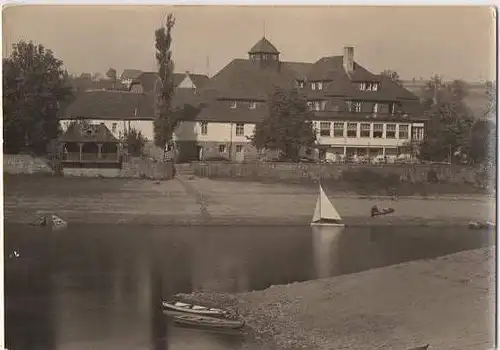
(348, 59)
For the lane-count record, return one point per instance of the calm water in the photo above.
(98, 287)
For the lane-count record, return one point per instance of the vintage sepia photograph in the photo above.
(224, 177)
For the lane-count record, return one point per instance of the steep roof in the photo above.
(251, 80)
(79, 132)
(130, 74)
(339, 83)
(264, 46)
(110, 105)
(120, 105)
(148, 80)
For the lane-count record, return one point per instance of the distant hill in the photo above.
(477, 100)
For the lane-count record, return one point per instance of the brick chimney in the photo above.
(348, 59)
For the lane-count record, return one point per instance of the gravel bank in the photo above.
(446, 302)
(197, 201)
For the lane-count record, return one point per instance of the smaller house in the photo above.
(87, 144)
(146, 82)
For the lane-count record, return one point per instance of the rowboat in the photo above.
(209, 322)
(192, 309)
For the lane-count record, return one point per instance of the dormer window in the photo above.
(368, 86)
(252, 105)
(313, 86)
(233, 104)
(320, 85)
(300, 84)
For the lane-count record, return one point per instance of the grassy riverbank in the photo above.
(446, 302)
(190, 201)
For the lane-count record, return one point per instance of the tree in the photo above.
(491, 107)
(34, 86)
(111, 74)
(481, 147)
(393, 75)
(165, 121)
(450, 120)
(288, 126)
(135, 142)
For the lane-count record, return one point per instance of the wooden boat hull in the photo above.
(192, 309)
(327, 224)
(207, 322)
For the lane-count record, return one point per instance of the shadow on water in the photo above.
(101, 286)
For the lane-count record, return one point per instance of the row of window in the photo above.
(320, 105)
(320, 85)
(223, 148)
(251, 104)
(354, 106)
(240, 129)
(365, 130)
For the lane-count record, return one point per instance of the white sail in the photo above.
(327, 210)
(317, 210)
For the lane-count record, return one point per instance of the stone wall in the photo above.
(132, 168)
(304, 171)
(24, 164)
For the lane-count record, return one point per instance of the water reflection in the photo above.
(101, 286)
(326, 241)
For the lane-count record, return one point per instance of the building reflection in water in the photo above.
(326, 244)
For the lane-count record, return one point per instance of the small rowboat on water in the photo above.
(209, 322)
(192, 309)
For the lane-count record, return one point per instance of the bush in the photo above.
(135, 142)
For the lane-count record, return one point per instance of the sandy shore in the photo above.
(446, 302)
(192, 201)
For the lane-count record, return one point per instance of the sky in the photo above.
(454, 42)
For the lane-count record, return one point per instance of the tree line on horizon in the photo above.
(36, 87)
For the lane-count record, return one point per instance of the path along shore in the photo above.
(446, 302)
(199, 201)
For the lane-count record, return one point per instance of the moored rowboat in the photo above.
(192, 309)
(209, 322)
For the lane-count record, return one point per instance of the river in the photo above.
(98, 286)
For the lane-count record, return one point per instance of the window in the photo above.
(233, 104)
(222, 148)
(323, 105)
(324, 129)
(362, 86)
(113, 128)
(320, 85)
(204, 128)
(338, 129)
(239, 148)
(240, 129)
(374, 87)
(390, 131)
(378, 131)
(418, 133)
(365, 130)
(348, 105)
(313, 86)
(393, 108)
(375, 108)
(300, 84)
(403, 131)
(310, 105)
(352, 130)
(252, 105)
(357, 106)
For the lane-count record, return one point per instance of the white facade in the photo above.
(214, 131)
(342, 138)
(117, 127)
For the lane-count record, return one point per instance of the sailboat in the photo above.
(325, 213)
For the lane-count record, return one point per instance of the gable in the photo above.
(187, 83)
